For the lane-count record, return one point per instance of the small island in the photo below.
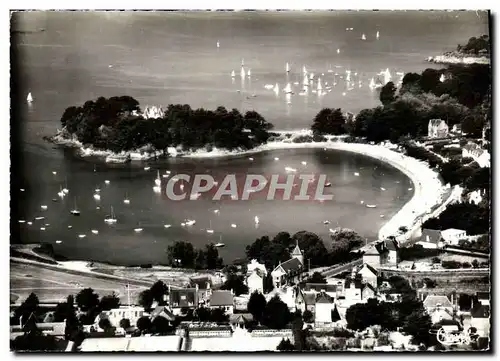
(476, 51)
(117, 129)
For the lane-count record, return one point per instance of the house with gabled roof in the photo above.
(223, 300)
(431, 239)
(183, 298)
(305, 301)
(324, 307)
(382, 253)
(162, 311)
(289, 272)
(368, 274)
(435, 302)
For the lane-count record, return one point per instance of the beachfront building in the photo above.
(223, 300)
(431, 239)
(480, 155)
(437, 128)
(256, 273)
(289, 272)
(184, 298)
(451, 236)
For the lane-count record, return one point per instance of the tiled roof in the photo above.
(162, 309)
(291, 265)
(203, 283)
(432, 301)
(391, 245)
(185, 297)
(480, 311)
(320, 286)
(309, 298)
(372, 270)
(373, 250)
(297, 251)
(433, 234)
(369, 286)
(357, 283)
(221, 298)
(324, 298)
(240, 317)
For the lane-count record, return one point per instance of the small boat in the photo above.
(58, 241)
(382, 216)
(107, 181)
(95, 231)
(210, 230)
(242, 72)
(157, 189)
(137, 230)
(371, 206)
(382, 188)
(410, 189)
(183, 224)
(362, 202)
(256, 219)
(21, 189)
(303, 163)
(29, 223)
(167, 225)
(287, 68)
(82, 236)
(216, 211)
(233, 74)
(43, 207)
(311, 76)
(249, 73)
(290, 169)
(97, 196)
(331, 230)
(378, 35)
(29, 98)
(61, 193)
(363, 37)
(320, 87)
(338, 51)
(97, 190)
(47, 224)
(250, 159)
(21, 221)
(75, 210)
(326, 222)
(147, 168)
(233, 225)
(54, 172)
(110, 219)
(277, 88)
(328, 184)
(190, 222)
(126, 200)
(219, 245)
(269, 86)
(42, 228)
(69, 227)
(158, 179)
(356, 174)
(288, 89)
(276, 158)
(218, 44)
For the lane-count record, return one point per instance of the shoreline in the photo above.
(428, 188)
(458, 59)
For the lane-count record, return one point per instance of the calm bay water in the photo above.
(163, 58)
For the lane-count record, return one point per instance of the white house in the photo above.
(437, 128)
(117, 314)
(368, 274)
(324, 307)
(256, 273)
(431, 238)
(480, 319)
(223, 300)
(382, 253)
(480, 155)
(451, 236)
(289, 272)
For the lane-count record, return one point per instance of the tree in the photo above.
(268, 283)
(277, 315)
(158, 292)
(161, 326)
(29, 306)
(429, 283)
(418, 324)
(236, 284)
(181, 254)
(387, 93)
(317, 278)
(257, 305)
(285, 345)
(146, 299)
(105, 324)
(429, 80)
(312, 246)
(87, 299)
(308, 316)
(329, 121)
(125, 323)
(109, 302)
(144, 324)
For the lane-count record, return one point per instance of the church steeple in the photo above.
(297, 253)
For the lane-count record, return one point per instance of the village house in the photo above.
(117, 314)
(451, 236)
(438, 307)
(382, 254)
(305, 301)
(329, 289)
(287, 295)
(437, 128)
(324, 307)
(162, 311)
(431, 239)
(256, 273)
(204, 287)
(356, 291)
(186, 298)
(480, 155)
(368, 274)
(289, 272)
(480, 319)
(223, 300)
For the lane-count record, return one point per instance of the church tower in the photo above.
(297, 253)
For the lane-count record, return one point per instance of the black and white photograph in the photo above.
(243, 181)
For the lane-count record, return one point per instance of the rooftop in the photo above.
(433, 301)
(434, 235)
(221, 298)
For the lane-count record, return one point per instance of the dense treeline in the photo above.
(463, 97)
(117, 124)
(183, 254)
(476, 46)
(469, 217)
